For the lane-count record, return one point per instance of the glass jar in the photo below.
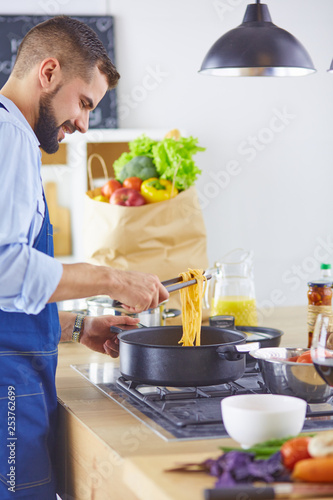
(230, 292)
(319, 301)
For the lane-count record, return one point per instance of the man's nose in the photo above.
(82, 123)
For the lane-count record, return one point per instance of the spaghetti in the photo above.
(191, 301)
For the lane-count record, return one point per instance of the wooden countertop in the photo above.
(105, 452)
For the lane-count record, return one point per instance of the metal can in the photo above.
(102, 305)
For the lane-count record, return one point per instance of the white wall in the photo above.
(278, 201)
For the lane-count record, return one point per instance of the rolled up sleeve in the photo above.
(28, 280)
(28, 277)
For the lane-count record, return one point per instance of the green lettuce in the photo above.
(142, 146)
(172, 158)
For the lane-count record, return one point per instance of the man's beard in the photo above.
(46, 128)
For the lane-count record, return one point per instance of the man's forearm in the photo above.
(136, 291)
(82, 280)
(67, 320)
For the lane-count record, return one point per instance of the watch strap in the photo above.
(77, 330)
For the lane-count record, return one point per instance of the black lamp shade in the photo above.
(257, 48)
(331, 68)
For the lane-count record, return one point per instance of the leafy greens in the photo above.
(172, 158)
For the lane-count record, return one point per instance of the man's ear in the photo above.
(49, 74)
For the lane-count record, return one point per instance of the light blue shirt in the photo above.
(27, 277)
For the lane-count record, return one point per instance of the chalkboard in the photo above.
(14, 28)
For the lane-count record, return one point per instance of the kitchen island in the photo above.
(104, 452)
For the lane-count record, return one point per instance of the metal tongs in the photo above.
(171, 285)
(177, 283)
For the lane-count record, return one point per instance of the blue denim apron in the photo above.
(28, 401)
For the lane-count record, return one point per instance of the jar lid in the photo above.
(222, 321)
(320, 283)
(325, 266)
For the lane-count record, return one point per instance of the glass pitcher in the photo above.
(231, 288)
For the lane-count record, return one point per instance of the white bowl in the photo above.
(254, 418)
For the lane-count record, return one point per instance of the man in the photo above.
(61, 73)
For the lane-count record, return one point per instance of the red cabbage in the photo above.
(236, 467)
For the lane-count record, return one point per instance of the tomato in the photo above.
(320, 295)
(110, 187)
(305, 357)
(315, 298)
(133, 183)
(294, 450)
(327, 296)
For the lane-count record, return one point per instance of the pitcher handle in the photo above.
(210, 286)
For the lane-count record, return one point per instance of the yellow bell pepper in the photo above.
(154, 190)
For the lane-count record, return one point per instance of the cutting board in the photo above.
(61, 221)
(146, 476)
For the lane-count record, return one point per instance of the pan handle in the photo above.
(117, 330)
(170, 313)
(234, 352)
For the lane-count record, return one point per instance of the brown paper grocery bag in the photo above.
(163, 238)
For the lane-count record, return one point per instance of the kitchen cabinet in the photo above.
(68, 168)
(60, 218)
(106, 452)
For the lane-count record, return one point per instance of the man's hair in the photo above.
(75, 45)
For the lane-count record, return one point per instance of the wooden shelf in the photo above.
(110, 152)
(58, 158)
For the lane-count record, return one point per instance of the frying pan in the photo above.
(267, 337)
(153, 356)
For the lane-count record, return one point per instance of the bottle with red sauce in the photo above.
(319, 301)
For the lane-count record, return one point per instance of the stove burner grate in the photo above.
(190, 405)
(188, 413)
(197, 406)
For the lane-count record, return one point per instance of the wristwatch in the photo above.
(77, 330)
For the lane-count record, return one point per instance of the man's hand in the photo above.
(137, 291)
(97, 336)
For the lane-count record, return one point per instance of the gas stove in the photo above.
(187, 413)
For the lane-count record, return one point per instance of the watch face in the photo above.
(77, 328)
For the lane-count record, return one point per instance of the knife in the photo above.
(282, 490)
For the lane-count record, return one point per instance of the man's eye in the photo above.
(83, 104)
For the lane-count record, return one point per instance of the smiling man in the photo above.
(73, 74)
(72, 102)
(61, 73)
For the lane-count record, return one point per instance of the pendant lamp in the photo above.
(257, 48)
(331, 68)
